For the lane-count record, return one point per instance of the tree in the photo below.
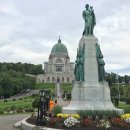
(126, 79)
(12, 82)
(114, 91)
(22, 67)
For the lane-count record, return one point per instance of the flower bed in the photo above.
(75, 122)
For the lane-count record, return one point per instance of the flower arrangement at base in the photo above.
(70, 121)
(118, 122)
(105, 124)
(127, 120)
(125, 116)
(76, 116)
(86, 121)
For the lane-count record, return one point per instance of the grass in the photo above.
(50, 86)
(67, 87)
(124, 106)
(24, 103)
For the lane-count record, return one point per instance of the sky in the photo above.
(30, 28)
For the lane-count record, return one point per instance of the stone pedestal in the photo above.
(90, 98)
(90, 94)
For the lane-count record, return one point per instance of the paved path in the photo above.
(22, 95)
(25, 94)
(60, 101)
(58, 90)
(7, 122)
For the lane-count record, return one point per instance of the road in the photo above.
(22, 95)
(7, 122)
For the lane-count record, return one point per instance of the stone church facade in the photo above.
(58, 68)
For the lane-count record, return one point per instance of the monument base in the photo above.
(87, 97)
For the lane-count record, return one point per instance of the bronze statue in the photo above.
(101, 63)
(79, 66)
(90, 20)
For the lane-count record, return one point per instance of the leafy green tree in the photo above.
(22, 67)
(114, 91)
(12, 82)
(126, 79)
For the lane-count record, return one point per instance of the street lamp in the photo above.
(41, 119)
(117, 77)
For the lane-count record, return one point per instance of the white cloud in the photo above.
(113, 32)
(29, 29)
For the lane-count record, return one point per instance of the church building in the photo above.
(58, 68)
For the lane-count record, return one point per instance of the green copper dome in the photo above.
(59, 48)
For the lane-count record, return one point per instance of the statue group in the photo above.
(90, 20)
(101, 63)
(79, 65)
(90, 90)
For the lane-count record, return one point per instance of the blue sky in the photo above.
(30, 28)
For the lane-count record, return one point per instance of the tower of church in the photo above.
(58, 68)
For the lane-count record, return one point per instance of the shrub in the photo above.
(20, 99)
(68, 96)
(14, 99)
(127, 101)
(12, 107)
(56, 110)
(124, 99)
(99, 113)
(35, 103)
(84, 113)
(1, 111)
(5, 100)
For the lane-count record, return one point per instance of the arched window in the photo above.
(62, 79)
(48, 79)
(58, 79)
(53, 79)
(68, 79)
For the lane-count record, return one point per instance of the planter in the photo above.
(27, 126)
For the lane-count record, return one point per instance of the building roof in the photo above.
(59, 48)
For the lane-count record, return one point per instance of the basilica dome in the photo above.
(59, 48)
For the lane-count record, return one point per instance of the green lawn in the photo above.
(50, 86)
(124, 106)
(19, 104)
(67, 87)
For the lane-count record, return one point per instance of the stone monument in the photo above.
(90, 90)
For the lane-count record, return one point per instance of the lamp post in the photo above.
(41, 119)
(118, 87)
